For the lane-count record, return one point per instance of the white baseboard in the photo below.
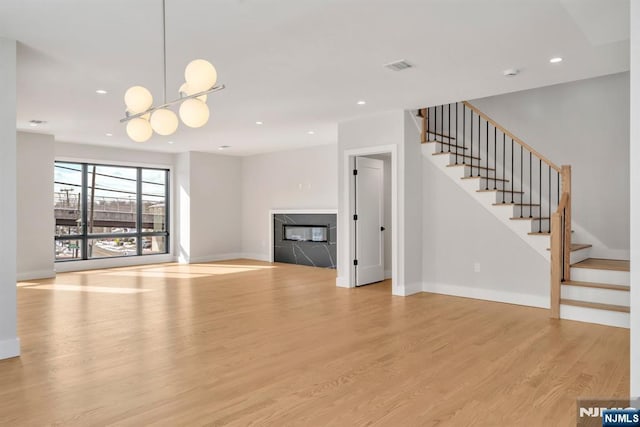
(35, 275)
(487, 294)
(216, 257)
(388, 274)
(342, 282)
(406, 290)
(9, 348)
(96, 264)
(256, 256)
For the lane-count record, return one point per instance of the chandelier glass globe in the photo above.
(194, 113)
(164, 121)
(200, 75)
(137, 99)
(139, 130)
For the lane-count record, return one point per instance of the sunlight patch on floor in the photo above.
(90, 289)
(200, 270)
(161, 274)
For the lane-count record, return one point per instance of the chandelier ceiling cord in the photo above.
(143, 118)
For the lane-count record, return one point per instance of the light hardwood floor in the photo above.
(251, 343)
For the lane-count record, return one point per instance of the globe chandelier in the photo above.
(143, 119)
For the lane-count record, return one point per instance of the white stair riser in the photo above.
(540, 225)
(593, 315)
(441, 148)
(465, 158)
(491, 184)
(507, 197)
(603, 296)
(476, 171)
(600, 276)
(515, 211)
(525, 211)
(581, 255)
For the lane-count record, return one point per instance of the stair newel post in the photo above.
(557, 259)
(566, 189)
(425, 123)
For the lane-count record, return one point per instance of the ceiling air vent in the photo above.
(34, 123)
(398, 65)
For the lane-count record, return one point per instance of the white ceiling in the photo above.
(295, 65)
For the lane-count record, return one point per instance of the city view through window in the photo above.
(106, 211)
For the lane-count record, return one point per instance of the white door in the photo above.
(368, 218)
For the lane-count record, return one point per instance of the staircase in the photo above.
(532, 196)
(598, 292)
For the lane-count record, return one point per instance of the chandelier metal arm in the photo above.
(184, 98)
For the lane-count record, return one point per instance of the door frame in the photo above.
(349, 201)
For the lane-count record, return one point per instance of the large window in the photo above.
(104, 211)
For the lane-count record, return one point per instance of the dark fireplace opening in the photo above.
(305, 238)
(305, 233)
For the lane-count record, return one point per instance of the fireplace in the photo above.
(305, 238)
(305, 233)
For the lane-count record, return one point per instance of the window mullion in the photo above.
(139, 210)
(84, 215)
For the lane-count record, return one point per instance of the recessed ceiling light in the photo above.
(361, 102)
(511, 72)
(224, 147)
(311, 132)
(109, 134)
(259, 123)
(101, 92)
(555, 60)
(169, 142)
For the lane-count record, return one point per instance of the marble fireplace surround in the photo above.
(274, 212)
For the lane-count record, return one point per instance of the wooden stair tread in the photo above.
(500, 191)
(603, 264)
(626, 288)
(485, 177)
(524, 218)
(597, 305)
(466, 156)
(474, 166)
(515, 204)
(577, 246)
(543, 233)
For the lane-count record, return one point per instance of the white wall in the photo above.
(204, 218)
(295, 179)
(182, 208)
(411, 198)
(35, 255)
(397, 132)
(635, 199)
(9, 342)
(584, 124)
(115, 156)
(458, 233)
(216, 203)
